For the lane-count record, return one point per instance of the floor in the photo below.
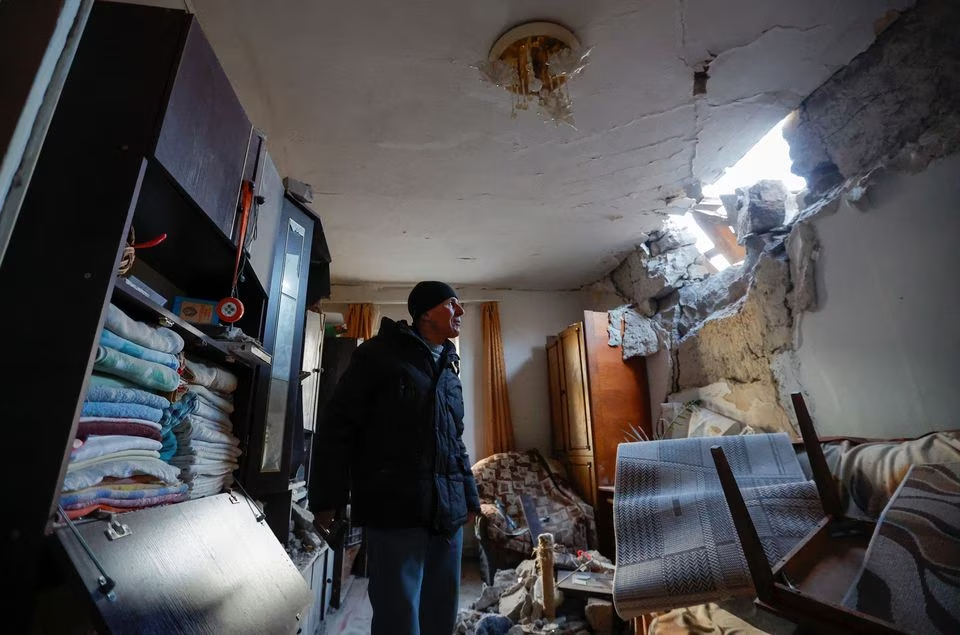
(353, 616)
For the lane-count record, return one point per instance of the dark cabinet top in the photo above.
(205, 132)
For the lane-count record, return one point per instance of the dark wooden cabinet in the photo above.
(117, 157)
(205, 132)
(595, 398)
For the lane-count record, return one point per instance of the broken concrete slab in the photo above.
(670, 241)
(513, 601)
(641, 277)
(764, 207)
(642, 336)
(615, 325)
(701, 299)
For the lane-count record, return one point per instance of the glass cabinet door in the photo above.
(278, 386)
(294, 265)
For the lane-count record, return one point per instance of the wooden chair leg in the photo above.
(757, 562)
(829, 498)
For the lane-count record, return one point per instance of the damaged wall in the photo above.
(852, 299)
(881, 356)
(711, 337)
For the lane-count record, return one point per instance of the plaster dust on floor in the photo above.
(355, 614)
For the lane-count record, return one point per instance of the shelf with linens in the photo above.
(196, 338)
(135, 151)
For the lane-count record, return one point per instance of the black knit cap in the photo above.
(428, 294)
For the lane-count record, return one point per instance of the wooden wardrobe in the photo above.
(595, 397)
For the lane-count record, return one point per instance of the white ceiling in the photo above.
(418, 169)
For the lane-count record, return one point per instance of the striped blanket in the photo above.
(911, 571)
(676, 543)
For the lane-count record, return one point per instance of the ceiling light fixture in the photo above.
(534, 61)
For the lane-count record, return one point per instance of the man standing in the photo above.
(390, 443)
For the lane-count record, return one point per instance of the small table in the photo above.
(587, 584)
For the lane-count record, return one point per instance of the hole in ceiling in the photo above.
(769, 159)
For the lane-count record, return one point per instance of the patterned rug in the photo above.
(676, 543)
(911, 571)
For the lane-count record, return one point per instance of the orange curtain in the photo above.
(359, 320)
(498, 431)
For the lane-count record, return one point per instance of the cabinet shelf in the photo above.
(220, 351)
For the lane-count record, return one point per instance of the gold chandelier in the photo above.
(534, 62)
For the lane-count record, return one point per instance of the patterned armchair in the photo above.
(501, 528)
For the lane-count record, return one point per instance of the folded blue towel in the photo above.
(98, 379)
(126, 395)
(120, 410)
(140, 371)
(122, 344)
(158, 338)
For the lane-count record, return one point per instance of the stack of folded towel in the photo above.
(207, 451)
(116, 462)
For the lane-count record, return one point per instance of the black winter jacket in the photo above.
(391, 436)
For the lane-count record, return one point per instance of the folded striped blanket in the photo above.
(676, 543)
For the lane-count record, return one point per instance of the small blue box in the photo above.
(195, 311)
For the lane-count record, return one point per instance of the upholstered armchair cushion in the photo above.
(502, 478)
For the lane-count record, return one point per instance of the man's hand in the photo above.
(323, 519)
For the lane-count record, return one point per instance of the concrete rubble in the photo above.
(513, 605)
(761, 208)
(722, 331)
(661, 265)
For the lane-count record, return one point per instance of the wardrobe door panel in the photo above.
(582, 473)
(578, 433)
(557, 412)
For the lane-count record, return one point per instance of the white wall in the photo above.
(881, 357)
(526, 319)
